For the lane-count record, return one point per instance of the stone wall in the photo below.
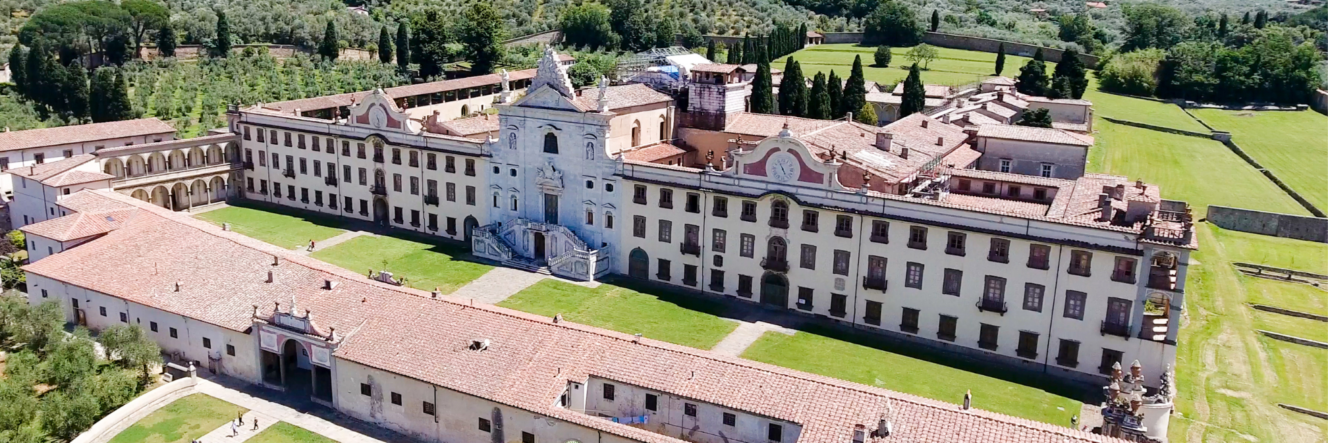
(547, 37)
(1320, 101)
(1270, 223)
(189, 52)
(990, 45)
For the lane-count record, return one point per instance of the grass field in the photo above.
(287, 433)
(951, 66)
(659, 314)
(1293, 296)
(284, 229)
(181, 421)
(1293, 326)
(1273, 251)
(917, 372)
(1140, 110)
(1294, 145)
(1200, 171)
(424, 265)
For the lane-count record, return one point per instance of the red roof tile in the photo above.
(655, 152)
(65, 135)
(1032, 134)
(623, 96)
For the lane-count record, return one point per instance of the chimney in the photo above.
(269, 277)
(276, 260)
(968, 399)
(1000, 95)
(924, 123)
(1120, 191)
(177, 286)
(848, 116)
(1139, 184)
(436, 292)
(884, 140)
(329, 284)
(903, 153)
(940, 141)
(946, 118)
(1104, 203)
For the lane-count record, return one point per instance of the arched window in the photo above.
(608, 220)
(779, 214)
(636, 133)
(495, 200)
(465, 110)
(550, 143)
(590, 217)
(663, 130)
(777, 249)
(513, 203)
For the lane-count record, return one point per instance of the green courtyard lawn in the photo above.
(181, 421)
(951, 66)
(920, 372)
(424, 265)
(285, 228)
(1140, 110)
(1230, 378)
(654, 312)
(1200, 171)
(1294, 145)
(283, 432)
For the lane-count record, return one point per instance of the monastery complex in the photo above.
(950, 228)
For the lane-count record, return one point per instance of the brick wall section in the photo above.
(1270, 223)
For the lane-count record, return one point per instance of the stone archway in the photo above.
(156, 163)
(380, 211)
(161, 197)
(177, 161)
(774, 290)
(198, 193)
(197, 157)
(114, 167)
(215, 155)
(139, 194)
(638, 264)
(136, 166)
(218, 186)
(179, 197)
(468, 227)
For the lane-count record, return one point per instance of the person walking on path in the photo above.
(240, 416)
(311, 245)
(255, 423)
(235, 430)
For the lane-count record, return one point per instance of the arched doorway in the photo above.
(774, 290)
(638, 264)
(218, 189)
(179, 197)
(380, 211)
(140, 194)
(296, 368)
(468, 226)
(161, 197)
(198, 193)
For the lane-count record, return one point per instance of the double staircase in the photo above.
(563, 253)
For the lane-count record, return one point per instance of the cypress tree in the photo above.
(710, 51)
(38, 78)
(735, 54)
(1000, 58)
(222, 48)
(802, 36)
(166, 40)
(75, 92)
(1033, 78)
(785, 89)
(1246, 19)
(748, 51)
(328, 47)
(915, 95)
(16, 68)
(102, 82)
(935, 20)
(793, 91)
(763, 100)
(818, 104)
(117, 102)
(834, 88)
(1222, 25)
(1260, 19)
(403, 46)
(1073, 73)
(384, 46)
(855, 89)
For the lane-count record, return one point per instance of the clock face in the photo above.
(377, 117)
(782, 167)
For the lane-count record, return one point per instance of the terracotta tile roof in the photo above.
(961, 158)
(347, 99)
(814, 34)
(992, 204)
(623, 96)
(1002, 111)
(716, 67)
(530, 359)
(96, 215)
(466, 127)
(769, 125)
(1009, 177)
(1081, 128)
(1067, 101)
(218, 139)
(46, 171)
(921, 138)
(655, 152)
(65, 135)
(934, 91)
(1032, 134)
(978, 119)
(77, 178)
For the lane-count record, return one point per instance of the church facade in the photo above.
(864, 226)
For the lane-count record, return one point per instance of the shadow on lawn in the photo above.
(456, 249)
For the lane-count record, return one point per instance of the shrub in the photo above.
(882, 57)
(1131, 73)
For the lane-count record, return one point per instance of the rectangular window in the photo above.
(747, 245)
(1000, 251)
(1081, 263)
(1046, 169)
(1039, 256)
(638, 226)
(484, 425)
(838, 305)
(946, 330)
(717, 280)
(151, 325)
(1074, 304)
(718, 240)
(652, 402)
(917, 237)
(730, 419)
(909, 321)
(873, 315)
(748, 211)
(745, 286)
(721, 208)
(666, 198)
(1012, 191)
(451, 192)
(805, 298)
(689, 275)
(428, 408)
(230, 350)
(955, 243)
(431, 161)
(639, 194)
(953, 279)
(913, 276)
(693, 203)
(808, 257)
(689, 409)
(841, 262)
(665, 271)
(608, 392)
(665, 231)
(396, 156)
(880, 232)
(365, 389)
(396, 399)
(811, 220)
(470, 195)
(1033, 297)
(875, 273)
(1118, 314)
(470, 167)
(301, 141)
(207, 342)
(1110, 357)
(995, 290)
(174, 333)
(1005, 165)
(414, 186)
(287, 139)
(988, 188)
(396, 182)
(775, 432)
(414, 159)
(1124, 270)
(1028, 343)
(1067, 353)
(527, 437)
(988, 335)
(843, 226)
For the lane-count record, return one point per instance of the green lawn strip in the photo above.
(656, 313)
(1278, 252)
(287, 229)
(1229, 378)
(181, 421)
(1293, 326)
(283, 432)
(1140, 110)
(918, 371)
(1200, 171)
(1293, 145)
(424, 265)
(1294, 296)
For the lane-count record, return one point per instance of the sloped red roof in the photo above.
(68, 135)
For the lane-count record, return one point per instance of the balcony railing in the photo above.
(431, 200)
(378, 189)
(775, 264)
(330, 181)
(1117, 329)
(689, 248)
(874, 283)
(996, 306)
(779, 223)
(1163, 282)
(249, 165)
(378, 158)
(288, 173)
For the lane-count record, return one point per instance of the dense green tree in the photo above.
(166, 40)
(1033, 79)
(403, 45)
(1000, 58)
(75, 92)
(855, 89)
(633, 25)
(834, 87)
(117, 104)
(666, 32)
(893, 23)
(221, 45)
(935, 20)
(802, 36)
(117, 50)
(130, 346)
(18, 405)
(327, 47)
(915, 93)
(763, 100)
(710, 52)
(1245, 20)
(1038, 118)
(587, 26)
(1132, 72)
(735, 54)
(430, 43)
(1260, 19)
(114, 388)
(691, 38)
(881, 57)
(99, 92)
(1222, 26)
(384, 45)
(1072, 69)
(67, 412)
(145, 15)
(70, 359)
(923, 53)
(793, 90)
(583, 74)
(818, 100)
(748, 50)
(482, 34)
(1152, 25)
(76, 28)
(18, 74)
(866, 115)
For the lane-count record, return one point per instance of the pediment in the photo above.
(379, 111)
(547, 97)
(787, 160)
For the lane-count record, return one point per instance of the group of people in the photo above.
(235, 426)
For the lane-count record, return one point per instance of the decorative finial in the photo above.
(785, 133)
(603, 93)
